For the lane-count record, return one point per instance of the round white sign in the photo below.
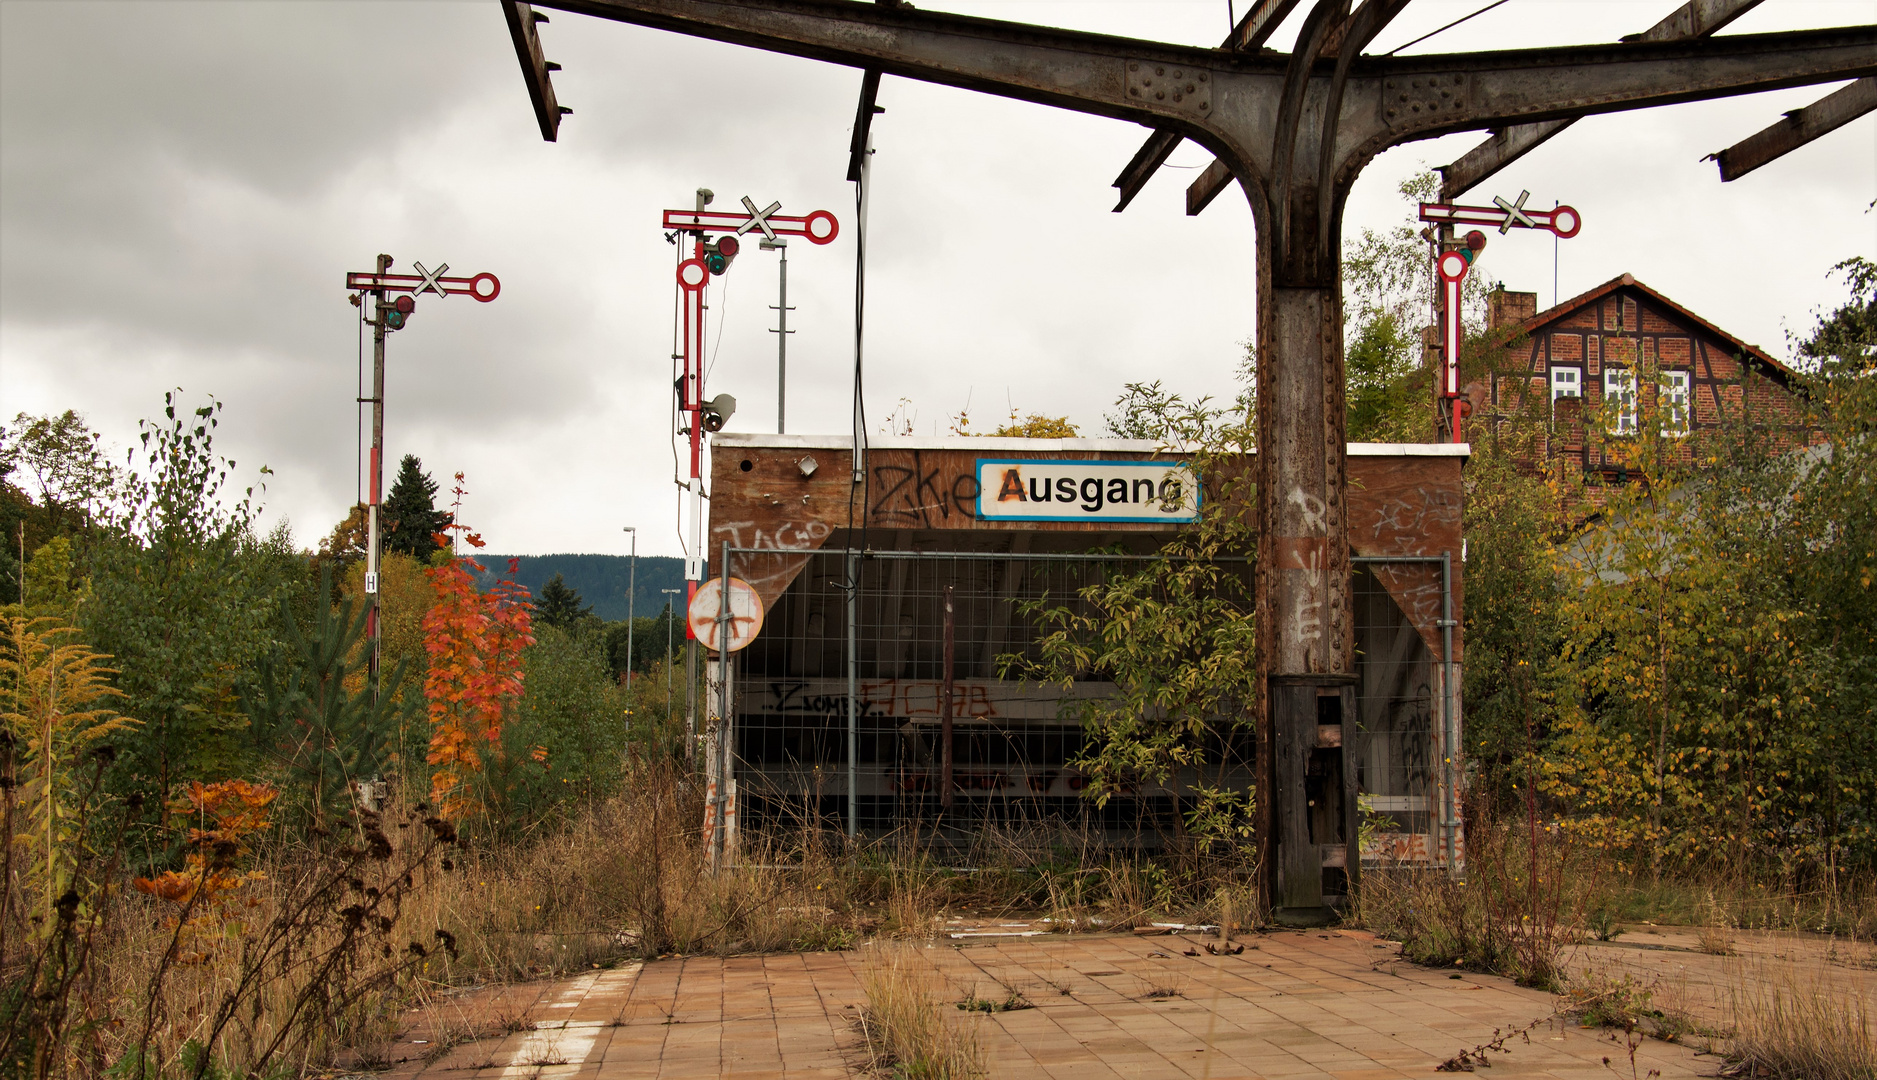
(746, 613)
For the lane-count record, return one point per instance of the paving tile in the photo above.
(1294, 1006)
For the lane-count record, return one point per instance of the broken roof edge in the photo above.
(757, 440)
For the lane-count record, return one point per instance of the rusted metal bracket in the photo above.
(1800, 127)
(536, 68)
(1250, 33)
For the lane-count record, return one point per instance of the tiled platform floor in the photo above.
(1320, 1004)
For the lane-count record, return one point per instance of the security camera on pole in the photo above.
(384, 316)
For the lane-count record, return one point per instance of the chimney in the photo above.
(1507, 308)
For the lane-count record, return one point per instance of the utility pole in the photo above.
(632, 591)
(782, 331)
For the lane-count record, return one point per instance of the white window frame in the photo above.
(1673, 396)
(1576, 386)
(1619, 385)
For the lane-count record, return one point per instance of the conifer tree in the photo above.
(411, 518)
(559, 606)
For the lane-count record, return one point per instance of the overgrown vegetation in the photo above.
(230, 851)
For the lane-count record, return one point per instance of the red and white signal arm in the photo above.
(746, 613)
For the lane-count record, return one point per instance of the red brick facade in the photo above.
(1556, 366)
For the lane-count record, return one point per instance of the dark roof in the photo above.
(1583, 300)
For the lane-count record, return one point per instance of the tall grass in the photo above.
(1790, 1024)
(1510, 914)
(905, 1022)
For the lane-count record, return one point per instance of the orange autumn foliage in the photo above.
(225, 815)
(475, 641)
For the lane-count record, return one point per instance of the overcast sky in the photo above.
(183, 187)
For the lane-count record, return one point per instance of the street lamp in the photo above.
(670, 617)
(782, 331)
(632, 588)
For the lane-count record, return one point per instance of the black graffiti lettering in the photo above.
(882, 474)
(927, 484)
(967, 501)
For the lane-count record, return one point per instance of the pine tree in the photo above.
(559, 606)
(411, 519)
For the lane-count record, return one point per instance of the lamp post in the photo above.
(632, 588)
(670, 617)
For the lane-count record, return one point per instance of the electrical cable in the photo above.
(1445, 28)
(712, 366)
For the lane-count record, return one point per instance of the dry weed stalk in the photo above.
(905, 1026)
(1791, 1024)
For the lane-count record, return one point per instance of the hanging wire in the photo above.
(720, 325)
(1445, 28)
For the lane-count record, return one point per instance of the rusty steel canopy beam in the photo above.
(1113, 76)
(1258, 25)
(1251, 32)
(1696, 18)
(1147, 160)
(536, 68)
(1800, 126)
(1200, 193)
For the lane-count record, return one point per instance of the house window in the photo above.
(1674, 403)
(1566, 382)
(1619, 391)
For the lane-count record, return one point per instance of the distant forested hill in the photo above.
(599, 579)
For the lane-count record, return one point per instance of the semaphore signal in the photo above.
(385, 316)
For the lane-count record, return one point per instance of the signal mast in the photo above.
(715, 239)
(711, 257)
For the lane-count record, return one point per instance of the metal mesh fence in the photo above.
(1013, 742)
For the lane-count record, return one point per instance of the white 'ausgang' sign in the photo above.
(1040, 489)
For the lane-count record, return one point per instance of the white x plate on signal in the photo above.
(758, 219)
(430, 278)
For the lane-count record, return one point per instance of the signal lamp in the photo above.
(718, 411)
(1475, 243)
(397, 313)
(719, 253)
